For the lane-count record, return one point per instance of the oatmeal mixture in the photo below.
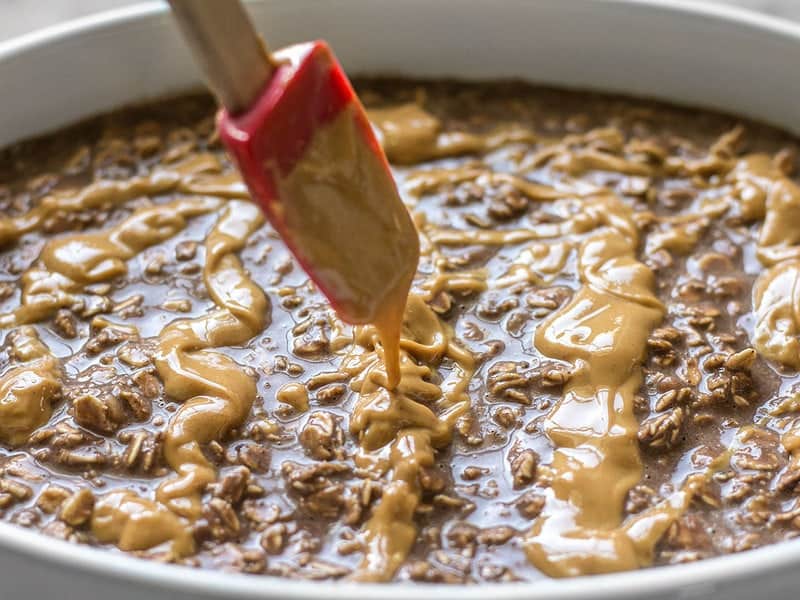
(598, 363)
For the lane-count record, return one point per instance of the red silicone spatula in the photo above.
(307, 152)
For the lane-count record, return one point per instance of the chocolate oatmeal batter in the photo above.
(598, 358)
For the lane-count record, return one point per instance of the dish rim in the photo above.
(695, 578)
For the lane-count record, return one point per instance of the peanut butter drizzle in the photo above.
(602, 332)
(491, 237)
(678, 235)
(776, 299)
(589, 159)
(220, 185)
(409, 134)
(459, 282)
(426, 181)
(401, 420)
(400, 429)
(29, 390)
(108, 193)
(216, 392)
(536, 264)
(67, 265)
(601, 149)
(295, 395)
(94, 196)
(592, 213)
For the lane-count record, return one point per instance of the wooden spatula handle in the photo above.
(227, 46)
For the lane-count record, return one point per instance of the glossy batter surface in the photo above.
(598, 356)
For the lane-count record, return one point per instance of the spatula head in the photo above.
(311, 160)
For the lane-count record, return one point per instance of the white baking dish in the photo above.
(677, 50)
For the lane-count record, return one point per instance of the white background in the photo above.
(22, 16)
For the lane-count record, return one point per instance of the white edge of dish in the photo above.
(692, 580)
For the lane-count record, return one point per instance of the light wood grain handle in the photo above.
(224, 42)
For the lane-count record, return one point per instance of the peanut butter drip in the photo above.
(67, 265)
(409, 134)
(294, 395)
(216, 392)
(370, 276)
(400, 429)
(28, 390)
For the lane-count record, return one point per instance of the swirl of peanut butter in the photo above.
(601, 149)
(589, 159)
(776, 298)
(216, 392)
(27, 391)
(134, 523)
(409, 134)
(779, 239)
(751, 178)
(679, 234)
(538, 264)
